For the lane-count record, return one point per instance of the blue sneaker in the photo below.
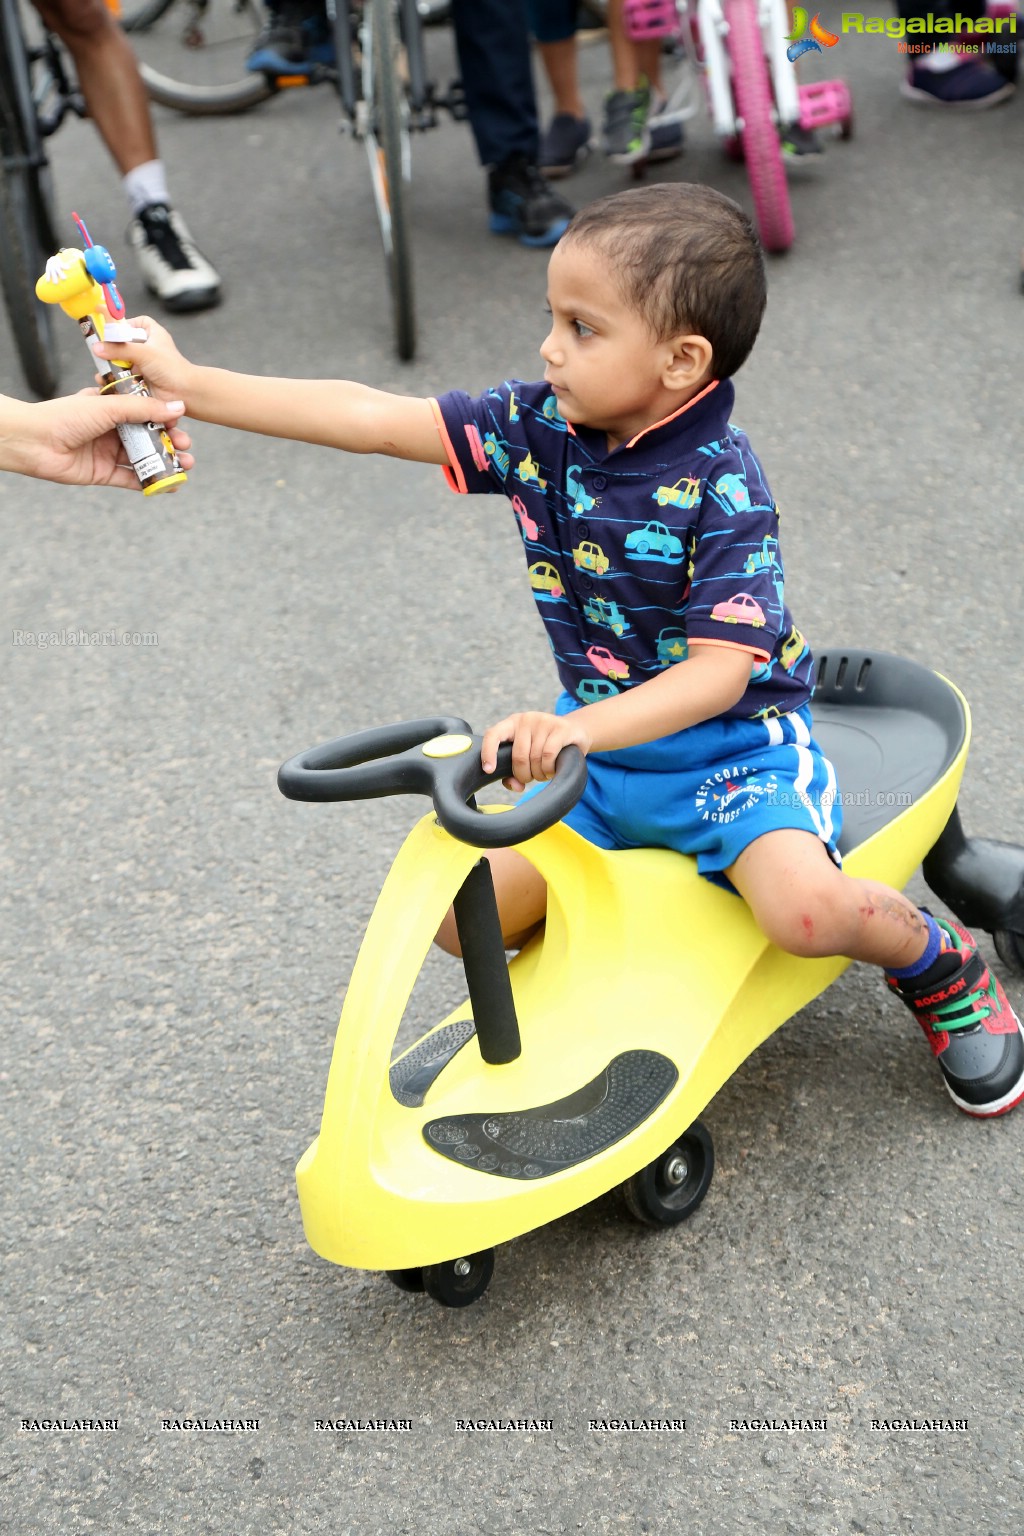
(970, 84)
(565, 145)
(297, 40)
(523, 204)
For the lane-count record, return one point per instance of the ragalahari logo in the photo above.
(819, 38)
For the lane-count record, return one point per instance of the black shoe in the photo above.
(523, 204)
(172, 265)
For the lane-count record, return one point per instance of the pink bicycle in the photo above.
(750, 87)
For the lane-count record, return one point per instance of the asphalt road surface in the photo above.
(177, 938)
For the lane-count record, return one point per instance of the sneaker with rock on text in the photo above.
(974, 1033)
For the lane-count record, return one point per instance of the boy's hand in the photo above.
(157, 358)
(537, 739)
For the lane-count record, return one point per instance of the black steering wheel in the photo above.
(439, 757)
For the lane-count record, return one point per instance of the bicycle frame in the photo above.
(348, 19)
(713, 28)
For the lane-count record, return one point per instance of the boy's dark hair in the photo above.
(687, 259)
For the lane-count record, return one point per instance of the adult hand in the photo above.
(74, 440)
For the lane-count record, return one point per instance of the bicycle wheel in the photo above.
(192, 54)
(26, 218)
(759, 137)
(137, 15)
(387, 145)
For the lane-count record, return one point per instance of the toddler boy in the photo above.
(651, 539)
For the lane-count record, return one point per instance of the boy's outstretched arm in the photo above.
(711, 680)
(334, 412)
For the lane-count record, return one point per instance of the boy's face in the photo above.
(602, 361)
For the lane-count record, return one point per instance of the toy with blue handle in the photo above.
(84, 284)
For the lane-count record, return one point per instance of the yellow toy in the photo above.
(584, 1062)
(83, 283)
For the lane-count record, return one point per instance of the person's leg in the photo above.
(521, 895)
(807, 906)
(108, 74)
(493, 45)
(566, 142)
(636, 97)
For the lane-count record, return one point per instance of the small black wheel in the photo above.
(459, 1282)
(1010, 949)
(670, 1189)
(406, 1279)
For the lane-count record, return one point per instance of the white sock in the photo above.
(940, 61)
(146, 184)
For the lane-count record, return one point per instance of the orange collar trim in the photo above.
(675, 414)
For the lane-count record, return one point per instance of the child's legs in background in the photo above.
(632, 60)
(553, 27)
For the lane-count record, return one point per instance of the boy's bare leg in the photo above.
(522, 897)
(108, 73)
(807, 906)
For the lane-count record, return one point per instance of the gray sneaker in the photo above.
(565, 144)
(172, 265)
(625, 134)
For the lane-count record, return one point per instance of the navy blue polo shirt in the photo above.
(671, 537)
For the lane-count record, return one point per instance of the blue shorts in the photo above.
(710, 790)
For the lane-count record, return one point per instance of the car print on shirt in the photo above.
(476, 447)
(654, 542)
(593, 689)
(546, 582)
(602, 610)
(496, 451)
(552, 415)
(529, 473)
(606, 663)
(531, 529)
(763, 559)
(588, 556)
(581, 501)
(741, 608)
(672, 646)
(733, 489)
(793, 647)
(685, 493)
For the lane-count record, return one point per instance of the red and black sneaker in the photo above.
(970, 1026)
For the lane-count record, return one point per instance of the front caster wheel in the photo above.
(406, 1279)
(1010, 949)
(670, 1189)
(459, 1282)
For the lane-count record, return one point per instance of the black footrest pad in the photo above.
(412, 1075)
(531, 1143)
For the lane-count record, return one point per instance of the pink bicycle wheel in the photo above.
(752, 92)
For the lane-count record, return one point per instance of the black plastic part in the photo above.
(670, 1189)
(534, 1143)
(459, 1282)
(980, 880)
(483, 956)
(412, 1074)
(406, 1279)
(389, 760)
